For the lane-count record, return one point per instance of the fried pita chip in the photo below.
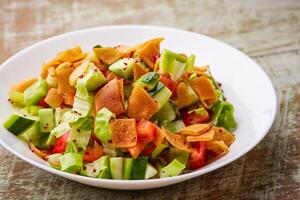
(177, 140)
(123, 133)
(149, 51)
(22, 86)
(205, 90)
(207, 136)
(70, 55)
(195, 129)
(53, 98)
(141, 105)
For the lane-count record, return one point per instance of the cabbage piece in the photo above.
(81, 131)
(173, 169)
(173, 64)
(102, 130)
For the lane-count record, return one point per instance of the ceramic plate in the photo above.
(245, 85)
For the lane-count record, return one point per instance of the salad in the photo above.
(123, 113)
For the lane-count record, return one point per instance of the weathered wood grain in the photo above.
(269, 31)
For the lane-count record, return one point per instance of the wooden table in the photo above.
(268, 31)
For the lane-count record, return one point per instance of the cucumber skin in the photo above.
(105, 174)
(139, 168)
(16, 124)
(35, 92)
(127, 168)
(116, 167)
(150, 171)
(162, 96)
(31, 134)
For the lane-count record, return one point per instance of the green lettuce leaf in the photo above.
(102, 130)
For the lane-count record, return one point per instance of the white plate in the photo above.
(245, 84)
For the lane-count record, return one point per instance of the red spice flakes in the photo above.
(81, 76)
(94, 170)
(78, 130)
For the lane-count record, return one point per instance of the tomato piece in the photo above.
(136, 150)
(149, 149)
(169, 83)
(61, 143)
(42, 103)
(198, 156)
(146, 131)
(92, 153)
(193, 117)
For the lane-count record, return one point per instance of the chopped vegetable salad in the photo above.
(123, 113)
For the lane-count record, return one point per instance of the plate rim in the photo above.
(111, 183)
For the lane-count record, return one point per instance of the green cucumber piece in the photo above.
(157, 88)
(31, 134)
(42, 142)
(181, 156)
(16, 123)
(93, 79)
(158, 150)
(71, 162)
(168, 113)
(123, 67)
(173, 169)
(127, 168)
(51, 140)
(103, 165)
(139, 168)
(150, 171)
(105, 173)
(116, 167)
(148, 81)
(47, 121)
(35, 92)
(34, 110)
(162, 96)
(16, 98)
